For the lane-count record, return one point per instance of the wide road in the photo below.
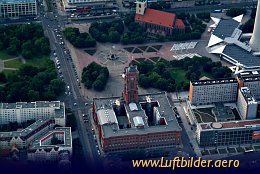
(53, 25)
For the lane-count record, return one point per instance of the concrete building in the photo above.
(85, 5)
(204, 92)
(228, 133)
(246, 103)
(157, 22)
(136, 122)
(255, 39)
(18, 8)
(22, 111)
(37, 137)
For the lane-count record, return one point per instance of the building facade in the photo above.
(204, 92)
(157, 22)
(141, 122)
(228, 133)
(246, 103)
(18, 8)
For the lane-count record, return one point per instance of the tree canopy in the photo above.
(26, 39)
(77, 39)
(96, 76)
(162, 75)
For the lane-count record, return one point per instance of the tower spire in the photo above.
(255, 39)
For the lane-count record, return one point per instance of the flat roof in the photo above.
(16, 1)
(225, 28)
(213, 82)
(248, 96)
(112, 130)
(231, 124)
(241, 56)
(59, 107)
(67, 137)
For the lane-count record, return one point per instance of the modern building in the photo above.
(204, 92)
(22, 111)
(225, 42)
(247, 105)
(85, 5)
(228, 133)
(136, 122)
(18, 8)
(250, 79)
(157, 22)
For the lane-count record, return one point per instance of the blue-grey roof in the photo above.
(15, 1)
(242, 56)
(225, 28)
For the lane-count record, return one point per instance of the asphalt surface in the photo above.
(53, 24)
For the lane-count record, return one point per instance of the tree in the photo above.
(12, 50)
(98, 85)
(1, 45)
(57, 86)
(33, 95)
(2, 77)
(114, 36)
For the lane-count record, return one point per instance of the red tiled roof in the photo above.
(179, 24)
(157, 17)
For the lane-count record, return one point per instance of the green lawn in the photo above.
(37, 61)
(155, 59)
(207, 75)
(4, 55)
(91, 51)
(151, 49)
(16, 63)
(137, 50)
(178, 75)
(143, 47)
(129, 49)
(158, 47)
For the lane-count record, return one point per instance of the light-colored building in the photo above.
(74, 5)
(228, 133)
(18, 8)
(22, 111)
(204, 92)
(246, 103)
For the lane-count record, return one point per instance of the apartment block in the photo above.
(204, 92)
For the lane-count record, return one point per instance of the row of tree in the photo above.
(233, 12)
(96, 76)
(160, 75)
(107, 32)
(31, 84)
(77, 39)
(25, 39)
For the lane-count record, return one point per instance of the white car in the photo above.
(58, 67)
(98, 152)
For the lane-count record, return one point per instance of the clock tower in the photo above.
(130, 93)
(141, 5)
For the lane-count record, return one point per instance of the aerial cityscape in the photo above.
(132, 86)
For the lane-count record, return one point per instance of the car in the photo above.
(58, 67)
(75, 104)
(86, 104)
(96, 146)
(94, 136)
(98, 152)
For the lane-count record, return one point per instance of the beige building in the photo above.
(17, 8)
(204, 92)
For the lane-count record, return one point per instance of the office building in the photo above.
(18, 8)
(228, 133)
(246, 103)
(136, 122)
(204, 92)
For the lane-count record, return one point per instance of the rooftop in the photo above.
(15, 1)
(241, 56)
(248, 96)
(67, 138)
(225, 28)
(137, 116)
(213, 82)
(157, 17)
(230, 125)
